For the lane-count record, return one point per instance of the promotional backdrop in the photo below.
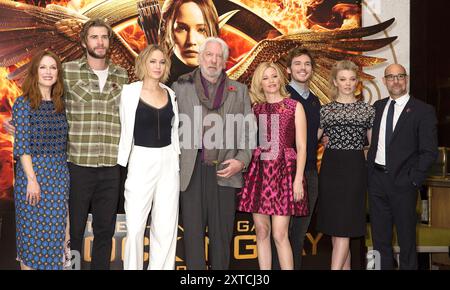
(255, 30)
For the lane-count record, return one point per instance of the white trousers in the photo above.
(152, 184)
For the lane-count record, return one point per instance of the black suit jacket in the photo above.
(413, 147)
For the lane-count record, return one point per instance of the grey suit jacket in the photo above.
(236, 105)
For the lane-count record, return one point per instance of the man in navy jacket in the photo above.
(403, 148)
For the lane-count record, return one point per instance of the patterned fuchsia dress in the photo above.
(268, 186)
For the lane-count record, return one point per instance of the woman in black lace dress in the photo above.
(347, 121)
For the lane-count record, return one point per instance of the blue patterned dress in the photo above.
(40, 229)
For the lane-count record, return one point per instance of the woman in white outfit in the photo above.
(149, 145)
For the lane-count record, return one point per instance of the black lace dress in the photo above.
(343, 174)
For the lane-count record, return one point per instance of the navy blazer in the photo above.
(413, 147)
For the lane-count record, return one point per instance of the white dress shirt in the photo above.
(400, 104)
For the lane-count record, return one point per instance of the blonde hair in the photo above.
(141, 60)
(256, 91)
(339, 66)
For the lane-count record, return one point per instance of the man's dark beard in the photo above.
(94, 55)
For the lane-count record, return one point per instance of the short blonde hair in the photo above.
(256, 91)
(339, 66)
(141, 60)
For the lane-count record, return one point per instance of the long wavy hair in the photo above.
(256, 91)
(169, 13)
(30, 87)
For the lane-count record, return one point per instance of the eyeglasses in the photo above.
(399, 77)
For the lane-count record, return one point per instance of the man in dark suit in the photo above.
(403, 147)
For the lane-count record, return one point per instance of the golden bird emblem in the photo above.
(25, 29)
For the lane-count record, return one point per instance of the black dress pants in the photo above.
(95, 188)
(389, 205)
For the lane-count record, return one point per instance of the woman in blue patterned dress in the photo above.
(42, 179)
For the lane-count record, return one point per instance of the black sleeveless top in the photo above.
(153, 127)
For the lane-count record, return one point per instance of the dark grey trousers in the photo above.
(206, 204)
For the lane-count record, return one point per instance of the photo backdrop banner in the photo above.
(255, 30)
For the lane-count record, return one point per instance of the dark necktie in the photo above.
(389, 125)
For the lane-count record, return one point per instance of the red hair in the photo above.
(30, 85)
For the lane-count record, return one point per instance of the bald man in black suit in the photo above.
(404, 146)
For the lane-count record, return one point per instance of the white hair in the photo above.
(225, 49)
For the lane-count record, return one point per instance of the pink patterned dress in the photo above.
(268, 186)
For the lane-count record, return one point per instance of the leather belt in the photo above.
(380, 167)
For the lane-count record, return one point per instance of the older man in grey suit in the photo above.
(215, 149)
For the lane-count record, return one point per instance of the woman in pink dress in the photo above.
(274, 188)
